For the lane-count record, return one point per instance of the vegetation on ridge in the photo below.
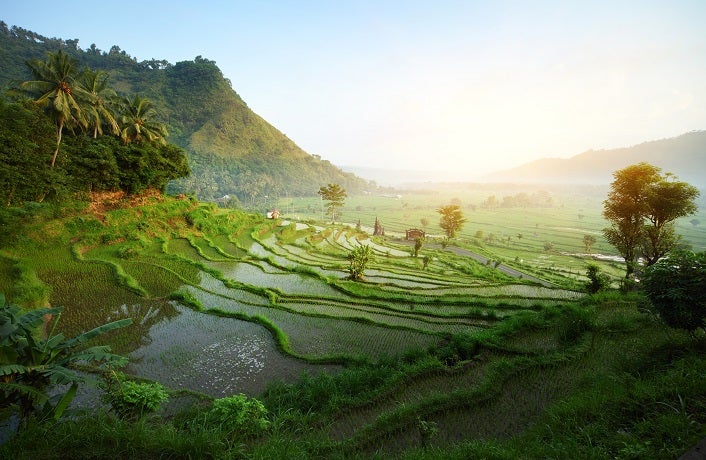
(231, 150)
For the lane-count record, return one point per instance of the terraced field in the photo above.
(241, 303)
(440, 351)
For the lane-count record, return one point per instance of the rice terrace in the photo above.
(421, 352)
(181, 280)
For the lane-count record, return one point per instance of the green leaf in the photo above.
(65, 401)
(60, 375)
(86, 336)
(25, 390)
(9, 369)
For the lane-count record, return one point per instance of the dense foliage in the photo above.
(451, 220)
(86, 164)
(230, 149)
(641, 208)
(30, 366)
(676, 287)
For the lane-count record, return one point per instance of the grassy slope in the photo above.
(596, 380)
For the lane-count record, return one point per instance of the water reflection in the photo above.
(213, 355)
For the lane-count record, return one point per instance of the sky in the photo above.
(464, 87)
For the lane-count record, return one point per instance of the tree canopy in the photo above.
(86, 107)
(336, 197)
(452, 219)
(641, 207)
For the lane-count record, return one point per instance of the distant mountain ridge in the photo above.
(683, 155)
(231, 150)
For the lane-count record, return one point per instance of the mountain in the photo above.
(684, 156)
(231, 150)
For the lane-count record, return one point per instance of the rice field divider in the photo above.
(282, 340)
(276, 249)
(264, 292)
(390, 319)
(218, 249)
(362, 290)
(280, 305)
(490, 389)
(363, 320)
(386, 308)
(192, 241)
(122, 278)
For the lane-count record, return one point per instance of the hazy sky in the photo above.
(466, 86)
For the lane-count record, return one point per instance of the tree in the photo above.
(335, 195)
(694, 222)
(588, 241)
(139, 121)
(418, 243)
(452, 219)
(30, 366)
(676, 289)
(666, 201)
(641, 207)
(359, 259)
(597, 281)
(55, 89)
(425, 222)
(97, 107)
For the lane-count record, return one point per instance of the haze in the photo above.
(468, 87)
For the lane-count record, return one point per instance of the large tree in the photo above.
(641, 206)
(335, 195)
(451, 219)
(54, 86)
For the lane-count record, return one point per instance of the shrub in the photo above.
(597, 281)
(676, 289)
(239, 414)
(132, 400)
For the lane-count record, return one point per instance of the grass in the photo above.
(449, 362)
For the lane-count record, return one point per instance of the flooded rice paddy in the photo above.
(214, 355)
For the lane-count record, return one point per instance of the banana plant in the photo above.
(31, 365)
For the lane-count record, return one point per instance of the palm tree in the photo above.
(139, 122)
(97, 107)
(54, 86)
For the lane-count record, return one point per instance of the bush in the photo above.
(675, 286)
(132, 400)
(597, 281)
(239, 414)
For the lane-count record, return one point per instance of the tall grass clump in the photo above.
(28, 290)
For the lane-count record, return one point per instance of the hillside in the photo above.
(684, 156)
(453, 360)
(231, 149)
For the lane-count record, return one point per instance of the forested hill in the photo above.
(231, 149)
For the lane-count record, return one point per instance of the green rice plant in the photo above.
(28, 289)
(187, 299)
